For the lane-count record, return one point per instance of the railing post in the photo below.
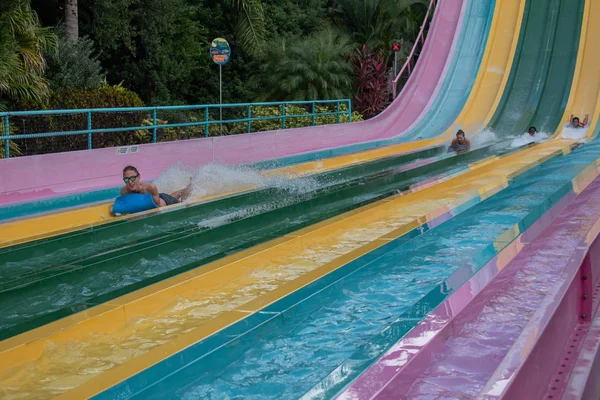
(313, 114)
(349, 111)
(89, 128)
(249, 116)
(283, 116)
(207, 122)
(7, 141)
(337, 111)
(154, 129)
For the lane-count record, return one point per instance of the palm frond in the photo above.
(250, 27)
(22, 45)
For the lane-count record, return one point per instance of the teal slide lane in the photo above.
(460, 78)
(318, 339)
(452, 96)
(540, 81)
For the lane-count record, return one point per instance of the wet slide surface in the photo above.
(321, 340)
(44, 281)
(541, 77)
(343, 275)
(210, 298)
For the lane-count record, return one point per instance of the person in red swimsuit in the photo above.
(575, 123)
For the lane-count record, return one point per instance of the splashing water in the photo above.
(483, 138)
(569, 132)
(213, 179)
(526, 138)
(176, 177)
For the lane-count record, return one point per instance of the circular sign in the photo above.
(220, 51)
(395, 46)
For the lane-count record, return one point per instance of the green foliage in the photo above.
(372, 95)
(14, 149)
(410, 21)
(250, 25)
(293, 18)
(102, 97)
(375, 23)
(310, 68)
(22, 45)
(160, 48)
(153, 46)
(75, 66)
(274, 113)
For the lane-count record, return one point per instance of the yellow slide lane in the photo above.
(88, 352)
(488, 88)
(585, 91)
(495, 69)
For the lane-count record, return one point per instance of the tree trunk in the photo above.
(71, 19)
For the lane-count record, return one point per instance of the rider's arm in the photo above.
(153, 190)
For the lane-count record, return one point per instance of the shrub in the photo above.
(372, 94)
(292, 122)
(102, 97)
(305, 68)
(75, 66)
(14, 149)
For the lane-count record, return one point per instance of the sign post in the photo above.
(395, 49)
(220, 53)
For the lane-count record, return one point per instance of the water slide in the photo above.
(437, 73)
(312, 296)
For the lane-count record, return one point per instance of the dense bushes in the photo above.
(102, 97)
(291, 121)
(75, 66)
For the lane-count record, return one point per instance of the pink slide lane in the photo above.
(517, 328)
(51, 175)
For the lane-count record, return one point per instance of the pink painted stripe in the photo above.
(51, 175)
(423, 361)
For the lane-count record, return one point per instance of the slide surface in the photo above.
(272, 292)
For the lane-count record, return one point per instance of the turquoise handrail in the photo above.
(90, 131)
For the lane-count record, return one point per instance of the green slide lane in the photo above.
(539, 85)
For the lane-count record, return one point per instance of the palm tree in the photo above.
(249, 25)
(72, 20)
(311, 68)
(374, 23)
(22, 45)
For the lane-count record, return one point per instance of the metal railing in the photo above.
(154, 125)
(410, 60)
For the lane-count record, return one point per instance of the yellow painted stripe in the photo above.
(144, 327)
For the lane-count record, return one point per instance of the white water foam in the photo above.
(526, 138)
(213, 179)
(568, 132)
(483, 138)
